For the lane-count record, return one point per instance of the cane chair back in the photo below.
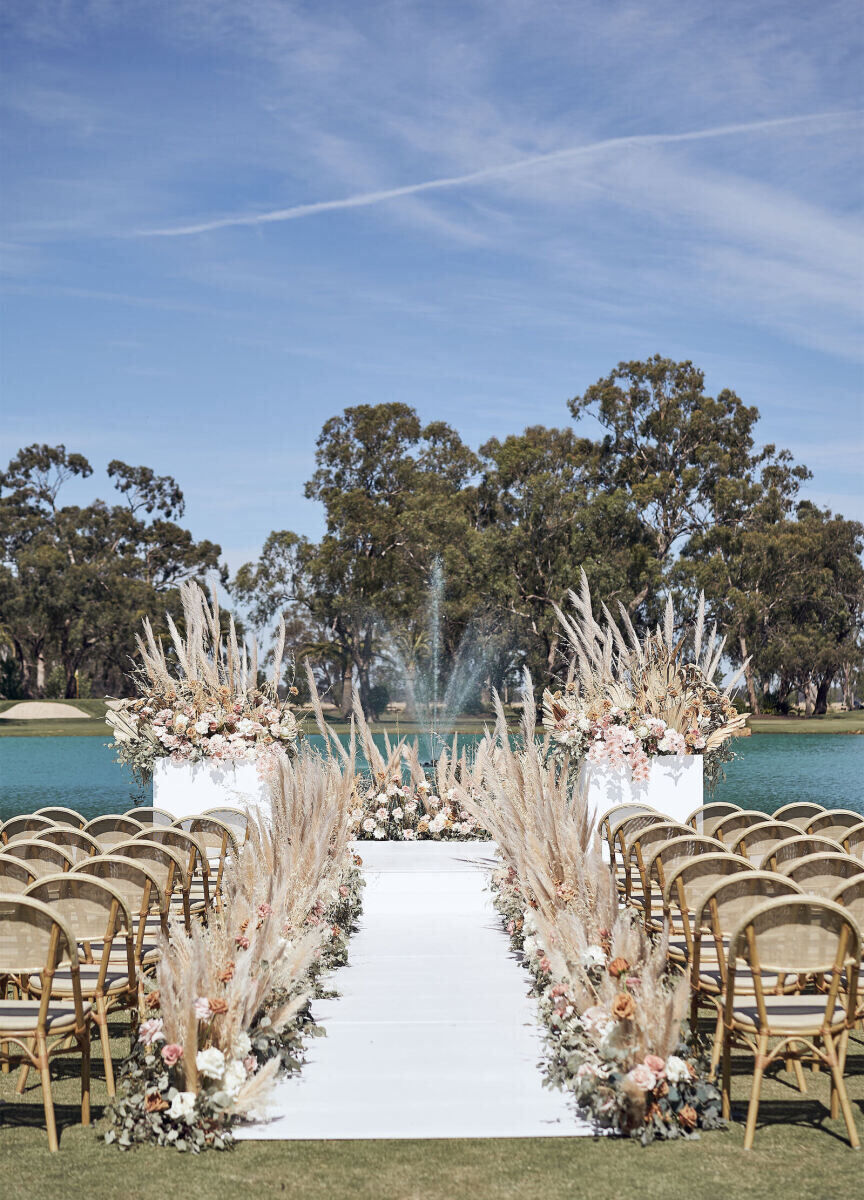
(235, 817)
(853, 841)
(756, 842)
(191, 852)
(218, 840)
(35, 940)
(62, 816)
(75, 842)
(169, 867)
(850, 893)
(142, 893)
(800, 813)
(729, 829)
(613, 817)
(704, 819)
(41, 857)
(689, 884)
(801, 936)
(799, 847)
(622, 834)
(98, 917)
(821, 874)
(665, 860)
(647, 841)
(109, 831)
(15, 875)
(146, 814)
(834, 823)
(27, 826)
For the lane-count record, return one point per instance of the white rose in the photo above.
(357, 814)
(369, 824)
(245, 726)
(242, 1044)
(211, 1063)
(180, 722)
(182, 1106)
(593, 957)
(642, 731)
(676, 1069)
(398, 814)
(202, 725)
(234, 1078)
(379, 833)
(584, 724)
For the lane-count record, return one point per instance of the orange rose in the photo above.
(687, 1117)
(228, 974)
(152, 999)
(218, 1006)
(617, 967)
(155, 1102)
(623, 1007)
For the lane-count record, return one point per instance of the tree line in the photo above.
(672, 493)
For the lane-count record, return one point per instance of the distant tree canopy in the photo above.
(75, 582)
(675, 495)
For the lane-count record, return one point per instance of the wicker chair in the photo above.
(641, 850)
(822, 874)
(834, 823)
(853, 841)
(662, 864)
(15, 874)
(167, 865)
(93, 911)
(235, 817)
(218, 842)
(611, 819)
(41, 857)
(686, 888)
(110, 830)
(801, 813)
(730, 828)
(704, 818)
(192, 853)
(850, 894)
(146, 901)
(800, 847)
(35, 940)
(62, 816)
(75, 842)
(622, 834)
(802, 936)
(146, 814)
(721, 911)
(756, 842)
(28, 826)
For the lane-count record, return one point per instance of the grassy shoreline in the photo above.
(94, 725)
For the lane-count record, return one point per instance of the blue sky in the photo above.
(223, 222)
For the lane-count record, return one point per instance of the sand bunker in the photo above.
(42, 710)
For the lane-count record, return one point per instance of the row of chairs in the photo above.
(82, 907)
(767, 925)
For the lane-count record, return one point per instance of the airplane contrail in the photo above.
(365, 199)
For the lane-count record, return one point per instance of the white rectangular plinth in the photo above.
(186, 789)
(674, 786)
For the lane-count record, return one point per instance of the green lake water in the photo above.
(769, 770)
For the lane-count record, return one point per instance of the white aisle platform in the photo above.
(433, 1034)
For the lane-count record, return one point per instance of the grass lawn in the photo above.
(833, 722)
(71, 727)
(799, 1151)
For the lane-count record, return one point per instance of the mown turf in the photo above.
(800, 1153)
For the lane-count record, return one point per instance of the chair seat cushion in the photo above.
(61, 985)
(795, 1014)
(22, 1016)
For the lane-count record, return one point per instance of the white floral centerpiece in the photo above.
(646, 721)
(206, 721)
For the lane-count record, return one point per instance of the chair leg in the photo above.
(84, 1043)
(24, 1072)
(726, 1101)
(102, 1022)
(755, 1091)
(716, 1045)
(797, 1068)
(47, 1098)
(840, 1092)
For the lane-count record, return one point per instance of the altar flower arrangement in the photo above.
(208, 704)
(632, 699)
(232, 1005)
(611, 1005)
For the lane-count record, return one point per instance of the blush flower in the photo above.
(171, 1053)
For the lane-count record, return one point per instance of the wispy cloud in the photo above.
(365, 199)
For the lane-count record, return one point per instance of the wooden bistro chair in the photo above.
(111, 830)
(834, 823)
(218, 842)
(235, 817)
(801, 813)
(146, 902)
(622, 833)
(704, 819)
(757, 841)
(94, 913)
(34, 940)
(24, 826)
(729, 829)
(15, 874)
(850, 894)
(662, 865)
(687, 885)
(75, 842)
(853, 841)
(190, 850)
(800, 847)
(822, 874)
(41, 857)
(62, 816)
(146, 814)
(641, 852)
(167, 865)
(719, 915)
(613, 818)
(803, 936)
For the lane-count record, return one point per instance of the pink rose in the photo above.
(656, 1064)
(642, 1077)
(171, 1054)
(151, 1031)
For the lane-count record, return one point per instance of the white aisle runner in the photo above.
(433, 1034)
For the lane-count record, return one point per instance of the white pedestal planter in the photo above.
(674, 787)
(186, 789)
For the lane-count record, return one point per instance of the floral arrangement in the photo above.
(212, 705)
(612, 1007)
(232, 1003)
(631, 700)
